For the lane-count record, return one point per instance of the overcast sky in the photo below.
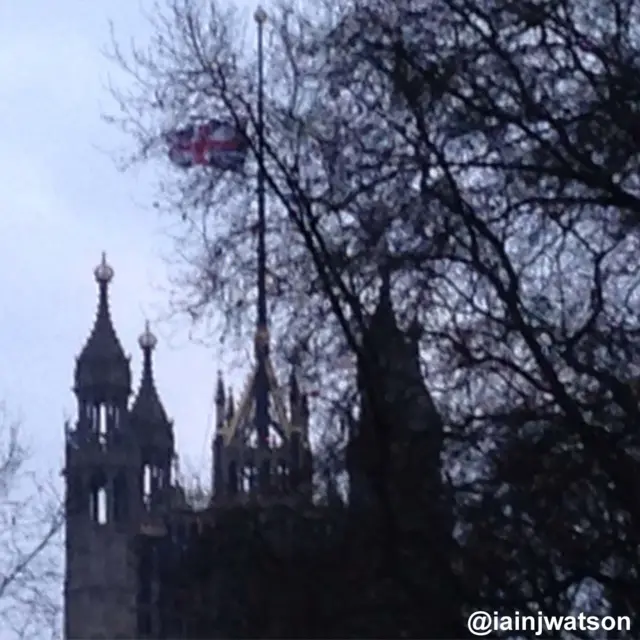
(62, 202)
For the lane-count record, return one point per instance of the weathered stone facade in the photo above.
(127, 519)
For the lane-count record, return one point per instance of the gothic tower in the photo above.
(394, 460)
(154, 434)
(107, 451)
(269, 468)
(399, 433)
(156, 452)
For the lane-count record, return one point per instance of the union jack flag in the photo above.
(217, 143)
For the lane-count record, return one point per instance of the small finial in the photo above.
(230, 404)
(147, 340)
(103, 272)
(260, 16)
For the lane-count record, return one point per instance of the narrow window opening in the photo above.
(246, 481)
(102, 423)
(102, 419)
(101, 515)
(249, 478)
(147, 484)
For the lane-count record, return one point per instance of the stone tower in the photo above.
(247, 467)
(154, 435)
(394, 461)
(116, 467)
(399, 433)
(156, 451)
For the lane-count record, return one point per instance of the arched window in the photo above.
(147, 484)
(103, 423)
(102, 510)
(249, 478)
(98, 499)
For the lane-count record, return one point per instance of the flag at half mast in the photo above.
(216, 143)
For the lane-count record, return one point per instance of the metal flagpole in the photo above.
(262, 335)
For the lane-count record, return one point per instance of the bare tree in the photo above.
(486, 155)
(30, 542)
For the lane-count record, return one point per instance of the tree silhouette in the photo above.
(30, 526)
(484, 155)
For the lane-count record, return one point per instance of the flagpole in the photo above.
(261, 17)
(262, 335)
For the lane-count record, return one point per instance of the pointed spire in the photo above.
(230, 404)
(102, 362)
(220, 402)
(384, 323)
(147, 407)
(220, 395)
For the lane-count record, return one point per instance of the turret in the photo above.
(230, 405)
(219, 480)
(102, 373)
(246, 467)
(220, 401)
(396, 408)
(102, 492)
(102, 384)
(153, 430)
